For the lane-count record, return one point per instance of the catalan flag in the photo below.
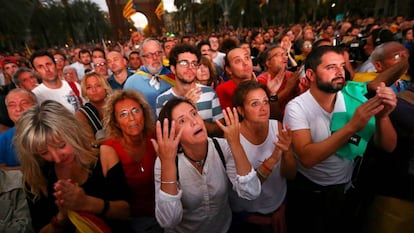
(129, 9)
(160, 10)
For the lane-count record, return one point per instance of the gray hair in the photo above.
(378, 53)
(32, 96)
(144, 42)
(20, 71)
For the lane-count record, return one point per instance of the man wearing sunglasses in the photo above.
(100, 66)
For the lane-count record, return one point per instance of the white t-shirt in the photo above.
(274, 188)
(63, 95)
(219, 59)
(304, 112)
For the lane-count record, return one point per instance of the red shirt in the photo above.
(282, 102)
(139, 177)
(225, 93)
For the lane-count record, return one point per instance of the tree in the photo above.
(48, 23)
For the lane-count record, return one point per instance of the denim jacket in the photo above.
(14, 210)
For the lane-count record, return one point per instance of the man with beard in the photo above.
(153, 78)
(331, 124)
(184, 61)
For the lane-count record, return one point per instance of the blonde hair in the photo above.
(101, 79)
(109, 119)
(37, 128)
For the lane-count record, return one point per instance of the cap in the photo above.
(7, 60)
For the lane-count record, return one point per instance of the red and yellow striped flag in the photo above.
(160, 10)
(129, 9)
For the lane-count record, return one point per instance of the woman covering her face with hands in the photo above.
(192, 185)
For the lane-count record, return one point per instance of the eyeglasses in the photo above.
(100, 64)
(125, 113)
(306, 46)
(59, 59)
(151, 55)
(186, 64)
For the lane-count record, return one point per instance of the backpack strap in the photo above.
(91, 114)
(220, 152)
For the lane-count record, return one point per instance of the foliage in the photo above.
(49, 23)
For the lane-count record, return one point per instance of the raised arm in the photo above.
(168, 207)
(166, 148)
(389, 76)
(232, 134)
(311, 153)
(385, 136)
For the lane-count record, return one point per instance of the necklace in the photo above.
(198, 163)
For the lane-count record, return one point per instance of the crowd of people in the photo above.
(283, 129)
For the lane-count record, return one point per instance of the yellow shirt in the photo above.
(369, 76)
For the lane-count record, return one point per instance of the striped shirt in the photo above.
(208, 105)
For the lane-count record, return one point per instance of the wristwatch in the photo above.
(273, 98)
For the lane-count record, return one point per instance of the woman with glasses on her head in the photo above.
(193, 172)
(95, 89)
(63, 173)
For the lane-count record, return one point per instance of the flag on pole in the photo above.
(159, 11)
(129, 9)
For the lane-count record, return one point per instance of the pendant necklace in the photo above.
(141, 167)
(198, 163)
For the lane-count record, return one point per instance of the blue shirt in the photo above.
(8, 153)
(141, 83)
(114, 84)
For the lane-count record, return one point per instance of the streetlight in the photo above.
(140, 21)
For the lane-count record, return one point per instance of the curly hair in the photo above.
(109, 118)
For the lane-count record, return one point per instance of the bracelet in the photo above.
(266, 167)
(169, 182)
(261, 174)
(105, 208)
